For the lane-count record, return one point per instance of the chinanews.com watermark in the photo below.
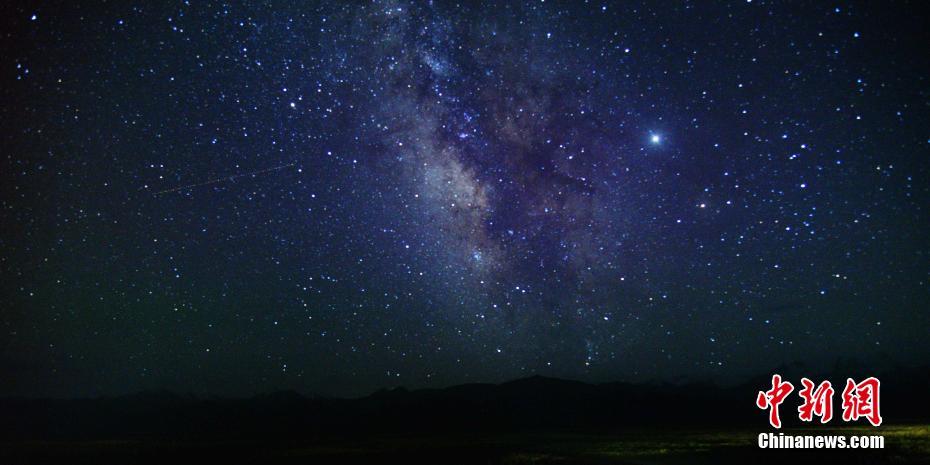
(784, 441)
(860, 401)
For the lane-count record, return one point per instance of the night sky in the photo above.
(335, 198)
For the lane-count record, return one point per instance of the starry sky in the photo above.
(235, 198)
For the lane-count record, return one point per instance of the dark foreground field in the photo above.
(528, 421)
(903, 445)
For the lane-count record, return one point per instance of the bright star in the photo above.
(655, 138)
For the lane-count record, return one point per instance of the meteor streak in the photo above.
(227, 178)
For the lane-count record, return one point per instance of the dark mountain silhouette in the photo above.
(525, 404)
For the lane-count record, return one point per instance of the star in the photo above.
(287, 190)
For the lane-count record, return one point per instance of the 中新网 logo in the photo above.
(859, 400)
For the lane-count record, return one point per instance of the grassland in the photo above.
(904, 444)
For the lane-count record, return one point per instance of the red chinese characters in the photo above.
(817, 401)
(772, 398)
(861, 400)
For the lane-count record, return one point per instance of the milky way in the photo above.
(236, 198)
